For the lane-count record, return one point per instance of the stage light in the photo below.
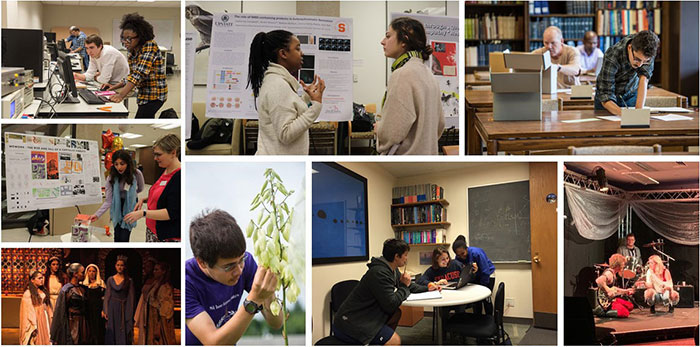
(599, 174)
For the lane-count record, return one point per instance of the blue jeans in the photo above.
(629, 100)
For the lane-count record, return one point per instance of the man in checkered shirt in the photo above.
(627, 68)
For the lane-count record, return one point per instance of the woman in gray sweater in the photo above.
(412, 120)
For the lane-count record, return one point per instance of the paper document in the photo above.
(668, 110)
(671, 117)
(425, 296)
(611, 118)
(584, 120)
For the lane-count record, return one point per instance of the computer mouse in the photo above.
(103, 88)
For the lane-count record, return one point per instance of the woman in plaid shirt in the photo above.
(147, 67)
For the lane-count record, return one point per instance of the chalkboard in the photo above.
(499, 220)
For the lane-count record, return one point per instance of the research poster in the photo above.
(190, 46)
(443, 36)
(325, 41)
(44, 172)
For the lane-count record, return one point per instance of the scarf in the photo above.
(401, 61)
(117, 211)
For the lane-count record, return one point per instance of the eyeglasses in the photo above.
(640, 61)
(232, 266)
(128, 39)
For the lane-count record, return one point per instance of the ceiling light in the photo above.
(130, 135)
(166, 126)
(138, 145)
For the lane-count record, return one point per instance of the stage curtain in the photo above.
(596, 215)
(676, 221)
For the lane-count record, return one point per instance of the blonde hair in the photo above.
(98, 279)
(169, 143)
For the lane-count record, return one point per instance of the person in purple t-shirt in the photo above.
(216, 278)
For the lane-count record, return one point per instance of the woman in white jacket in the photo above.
(412, 120)
(284, 116)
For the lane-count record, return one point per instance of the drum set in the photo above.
(633, 276)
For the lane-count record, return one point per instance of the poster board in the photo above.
(443, 36)
(44, 172)
(190, 46)
(162, 29)
(325, 41)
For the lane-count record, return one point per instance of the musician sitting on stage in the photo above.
(631, 251)
(659, 285)
(619, 308)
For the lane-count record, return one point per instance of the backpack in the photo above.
(214, 130)
(169, 113)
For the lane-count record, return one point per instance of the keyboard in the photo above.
(90, 97)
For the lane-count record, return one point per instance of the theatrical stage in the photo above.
(643, 327)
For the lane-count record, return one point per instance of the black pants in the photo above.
(121, 235)
(149, 109)
(485, 306)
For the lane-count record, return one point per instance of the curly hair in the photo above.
(136, 23)
(617, 261)
(645, 42)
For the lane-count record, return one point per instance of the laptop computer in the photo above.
(465, 276)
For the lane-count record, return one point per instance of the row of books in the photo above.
(571, 28)
(491, 26)
(433, 213)
(608, 41)
(491, 2)
(416, 193)
(629, 4)
(580, 7)
(422, 236)
(626, 22)
(538, 7)
(479, 55)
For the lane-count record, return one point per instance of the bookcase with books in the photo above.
(419, 214)
(612, 20)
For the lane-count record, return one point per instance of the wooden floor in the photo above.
(642, 326)
(10, 336)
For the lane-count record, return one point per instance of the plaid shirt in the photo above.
(148, 73)
(617, 77)
(78, 41)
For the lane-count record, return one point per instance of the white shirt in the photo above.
(111, 64)
(589, 62)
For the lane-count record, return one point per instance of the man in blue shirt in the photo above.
(484, 268)
(627, 69)
(215, 280)
(77, 39)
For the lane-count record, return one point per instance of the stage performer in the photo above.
(619, 308)
(659, 285)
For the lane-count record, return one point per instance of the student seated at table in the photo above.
(108, 66)
(627, 69)
(476, 258)
(371, 312)
(442, 271)
(565, 59)
(589, 52)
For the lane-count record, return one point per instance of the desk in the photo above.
(465, 295)
(470, 80)
(450, 150)
(478, 101)
(551, 133)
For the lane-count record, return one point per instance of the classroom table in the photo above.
(551, 133)
(451, 150)
(470, 80)
(478, 101)
(465, 295)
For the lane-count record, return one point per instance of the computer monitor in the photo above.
(25, 48)
(53, 50)
(50, 37)
(62, 46)
(66, 71)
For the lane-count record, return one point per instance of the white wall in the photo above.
(101, 17)
(517, 277)
(370, 20)
(379, 183)
(21, 14)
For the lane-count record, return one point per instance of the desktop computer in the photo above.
(50, 37)
(23, 48)
(69, 90)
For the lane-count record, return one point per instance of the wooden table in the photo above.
(470, 80)
(478, 101)
(450, 150)
(552, 133)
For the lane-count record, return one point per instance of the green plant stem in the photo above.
(284, 287)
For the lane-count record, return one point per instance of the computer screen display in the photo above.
(23, 48)
(66, 71)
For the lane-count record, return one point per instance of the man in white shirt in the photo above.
(589, 52)
(107, 66)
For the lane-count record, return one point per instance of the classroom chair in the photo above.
(551, 105)
(665, 101)
(199, 111)
(480, 326)
(339, 292)
(362, 135)
(323, 137)
(619, 150)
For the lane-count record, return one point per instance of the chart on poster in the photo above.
(443, 37)
(325, 41)
(45, 172)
